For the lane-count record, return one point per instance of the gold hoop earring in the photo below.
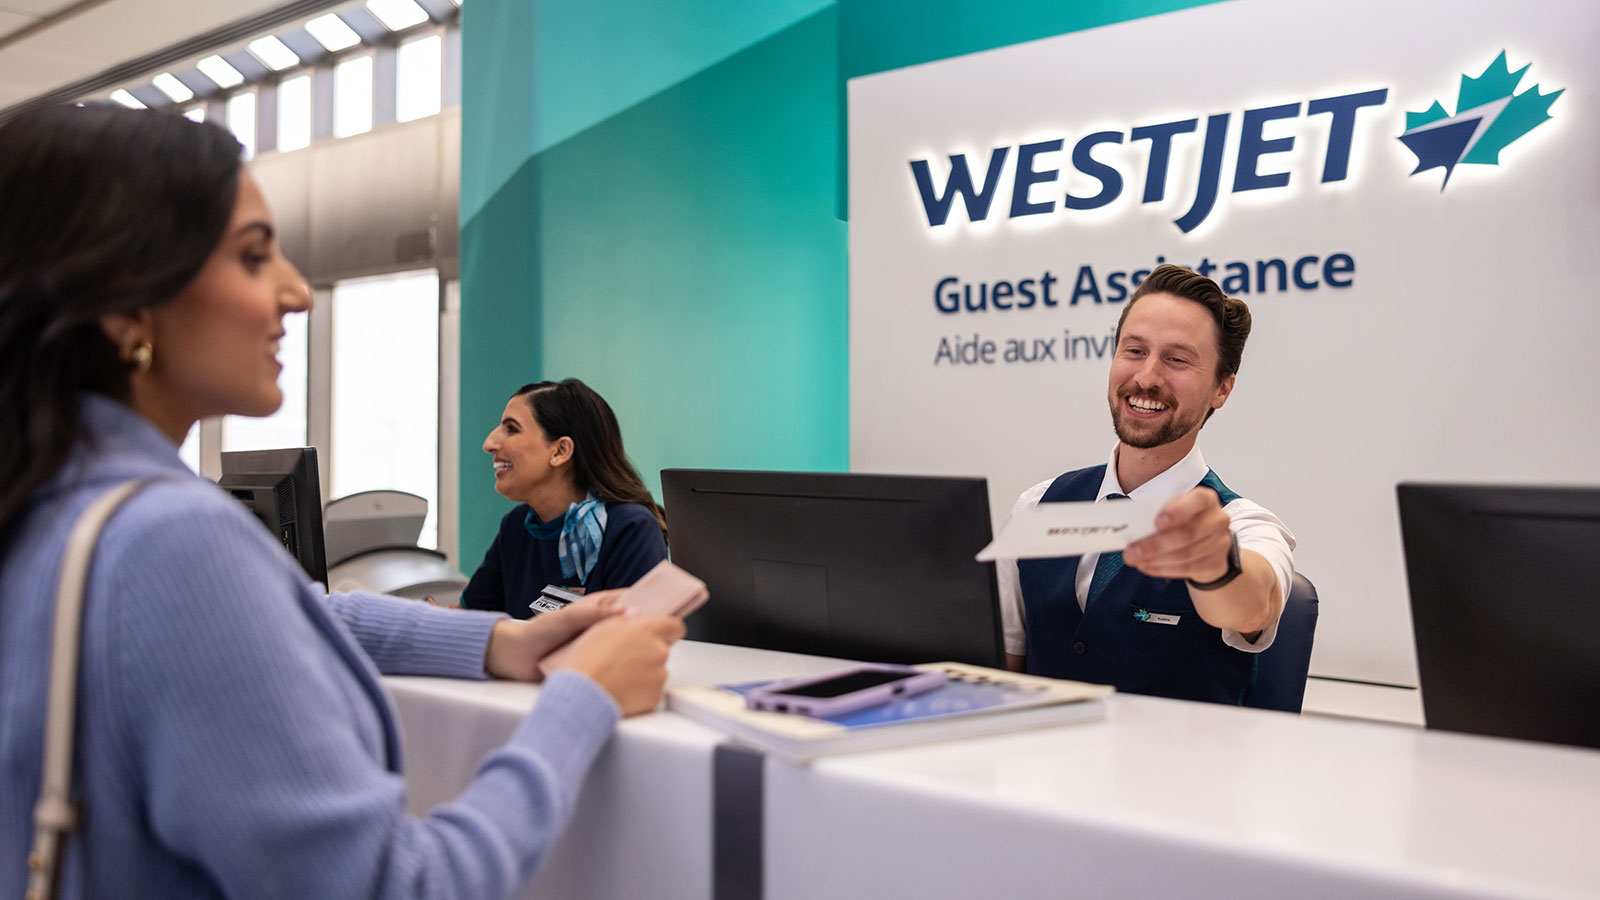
(140, 357)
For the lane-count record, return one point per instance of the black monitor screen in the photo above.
(1505, 606)
(868, 567)
(281, 487)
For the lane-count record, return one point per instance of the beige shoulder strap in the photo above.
(56, 815)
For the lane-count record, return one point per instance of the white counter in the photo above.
(1164, 798)
(1363, 700)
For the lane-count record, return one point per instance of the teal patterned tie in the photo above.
(1107, 567)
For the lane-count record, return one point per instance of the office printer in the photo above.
(371, 540)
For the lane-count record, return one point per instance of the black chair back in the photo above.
(1282, 668)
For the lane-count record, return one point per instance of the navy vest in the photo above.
(1116, 641)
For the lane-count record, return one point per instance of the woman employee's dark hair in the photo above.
(103, 210)
(600, 466)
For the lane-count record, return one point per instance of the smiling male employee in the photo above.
(1182, 612)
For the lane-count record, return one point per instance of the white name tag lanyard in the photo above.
(1073, 529)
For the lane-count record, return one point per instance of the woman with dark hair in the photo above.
(584, 518)
(233, 738)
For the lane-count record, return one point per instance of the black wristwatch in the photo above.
(1235, 568)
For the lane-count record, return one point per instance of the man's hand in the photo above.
(516, 645)
(1191, 540)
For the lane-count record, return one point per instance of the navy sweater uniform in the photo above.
(518, 565)
(1141, 634)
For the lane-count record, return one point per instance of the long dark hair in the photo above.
(600, 466)
(103, 210)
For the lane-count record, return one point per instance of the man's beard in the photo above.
(1175, 427)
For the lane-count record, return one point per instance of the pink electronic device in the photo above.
(665, 590)
(844, 691)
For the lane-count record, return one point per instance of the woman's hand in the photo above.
(627, 656)
(517, 645)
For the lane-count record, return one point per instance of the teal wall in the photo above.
(652, 200)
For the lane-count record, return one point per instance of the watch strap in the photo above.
(1235, 568)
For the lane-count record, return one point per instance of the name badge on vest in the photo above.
(1145, 615)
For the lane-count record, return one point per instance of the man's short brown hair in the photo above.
(1230, 313)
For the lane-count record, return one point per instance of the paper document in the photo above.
(1073, 529)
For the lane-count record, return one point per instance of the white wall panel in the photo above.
(1463, 349)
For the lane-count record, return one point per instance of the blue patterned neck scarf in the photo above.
(579, 532)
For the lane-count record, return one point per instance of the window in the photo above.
(352, 96)
(168, 83)
(385, 407)
(294, 113)
(397, 15)
(331, 32)
(418, 78)
(195, 113)
(217, 69)
(273, 53)
(242, 120)
(287, 426)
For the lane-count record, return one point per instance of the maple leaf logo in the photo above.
(1489, 116)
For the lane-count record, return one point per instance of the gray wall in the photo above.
(384, 201)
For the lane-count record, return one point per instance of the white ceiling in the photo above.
(10, 21)
(92, 40)
(34, 8)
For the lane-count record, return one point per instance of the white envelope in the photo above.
(1073, 529)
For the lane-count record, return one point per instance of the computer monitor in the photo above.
(281, 487)
(1505, 608)
(870, 567)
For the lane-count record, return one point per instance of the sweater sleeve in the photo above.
(409, 637)
(634, 550)
(252, 737)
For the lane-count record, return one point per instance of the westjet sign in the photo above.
(1254, 150)
(1491, 115)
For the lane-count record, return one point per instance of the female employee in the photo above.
(584, 518)
(233, 737)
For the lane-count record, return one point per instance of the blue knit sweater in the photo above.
(234, 738)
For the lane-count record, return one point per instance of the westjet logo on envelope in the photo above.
(1073, 529)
